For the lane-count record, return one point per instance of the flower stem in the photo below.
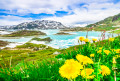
(85, 74)
(98, 69)
(115, 75)
(74, 79)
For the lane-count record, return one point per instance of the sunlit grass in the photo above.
(117, 31)
(100, 61)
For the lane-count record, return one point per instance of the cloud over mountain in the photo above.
(69, 12)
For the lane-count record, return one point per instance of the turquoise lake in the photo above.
(61, 41)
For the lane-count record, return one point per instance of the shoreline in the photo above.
(66, 45)
(14, 44)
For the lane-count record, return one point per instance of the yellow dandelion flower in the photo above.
(92, 55)
(114, 61)
(117, 56)
(71, 69)
(99, 51)
(84, 59)
(86, 40)
(111, 39)
(105, 70)
(100, 48)
(94, 39)
(87, 73)
(117, 51)
(81, 38)
(106, 52)
(112, 50)
(72, 61)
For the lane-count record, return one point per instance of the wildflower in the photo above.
(71, 69)
(100, 48)
(72, 61)
(27, 76)
(106, 52)
(86, 40)
(117, 56)
(99, 51)
(112, 50)
(92, 55)
(94, 39)
(114, 61)
(0, 55)
(84, 59)
(87, 73)
(105, 70)
(81, 38)
(117, 51)
(111, 39)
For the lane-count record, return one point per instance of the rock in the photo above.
(46, 47)
(56, 53)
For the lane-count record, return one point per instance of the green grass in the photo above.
(76, 29)
(117, 31)
(17, 56)
(48, 69)
(97, 28)
(107, 28)
(32, 46)
(45, 71)
(27, 52)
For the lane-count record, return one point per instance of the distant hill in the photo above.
(110, 23)
(24, 33)
(113, 21)
(43, 24)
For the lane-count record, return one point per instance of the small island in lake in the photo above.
(76, 29)
(42, 39)
(24, 33)
(3, 43)
(62, 33)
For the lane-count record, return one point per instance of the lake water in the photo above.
(60, 41)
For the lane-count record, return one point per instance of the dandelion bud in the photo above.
(111, 39)
(86, 40)
(81, 38)
(94, 40)
(114, 61)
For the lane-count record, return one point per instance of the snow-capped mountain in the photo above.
(43, 24)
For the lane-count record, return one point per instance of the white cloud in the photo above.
(89, 13)
(13, 20)
(42, 6)
(95, 13)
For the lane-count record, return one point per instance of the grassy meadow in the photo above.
(97, 61)
(117, 31)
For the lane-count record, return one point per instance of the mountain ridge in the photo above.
(37, 24)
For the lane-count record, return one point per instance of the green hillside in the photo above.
(113, 21)
(110, 23)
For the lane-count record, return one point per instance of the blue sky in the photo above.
(69, 12)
